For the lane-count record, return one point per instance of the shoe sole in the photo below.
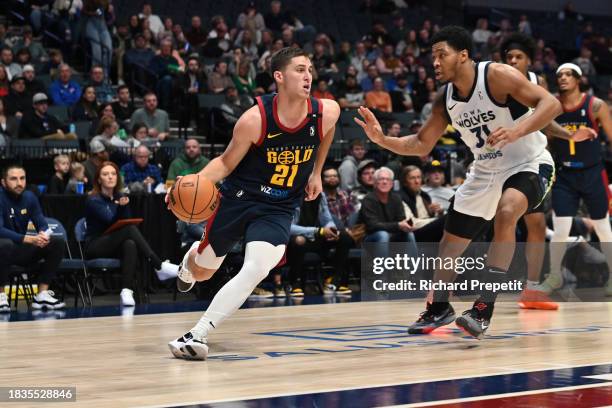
(464, 325)
(538, 305)
(192, 351)
(183, 286)
(426, 330)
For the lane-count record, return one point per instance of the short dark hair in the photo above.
(457, 37)
(137, 126)
(518, 41)
(282, 58)
(122, 87)
(11, 167)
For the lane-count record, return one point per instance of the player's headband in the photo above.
(569, 65)
(520, 47)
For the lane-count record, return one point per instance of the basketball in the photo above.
(194, 199)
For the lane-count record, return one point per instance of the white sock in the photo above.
(532, 285)
(562, 226)
(260, 257)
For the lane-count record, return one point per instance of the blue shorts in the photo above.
(574, 184)
(239, 217)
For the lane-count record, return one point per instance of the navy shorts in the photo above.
(574, 184)
(238, 218)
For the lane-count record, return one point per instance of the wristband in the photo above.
(322, 231)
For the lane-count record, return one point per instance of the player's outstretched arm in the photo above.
(331, 113)
(503, 81)
(414, 145)
(556, 130)
(246, 133)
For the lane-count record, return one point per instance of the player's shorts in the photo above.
(476, 200)
(574, 184)
(240, 217)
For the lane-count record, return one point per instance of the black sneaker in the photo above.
(476, 320)
(432, 318)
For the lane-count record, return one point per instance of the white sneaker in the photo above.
(261, 293)
(189, 348)
(167, 271)
(127, 297)
(46, 299)
(4, 304)
(329, 289)
(552, 282)
(185, 281)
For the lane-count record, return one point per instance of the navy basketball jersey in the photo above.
(583, 154)
(277, 168)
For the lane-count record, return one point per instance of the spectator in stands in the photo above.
(105, 206)
(398, 29)
(314, 230)
(140, 135)
(9, 127)
(243, 81)
(378, 98)
(263, 80)
(275, 20)
(196, 34)
(235, 105)
(322, 91)
(86, 110)
(165, 67)
(139, 174)
(5, 83)
(367, 83)
(408, 45)
(38, 53)
(58, 182)
(18, 100)
(394, 161)
(323, 62)
(104, 91)
(155, 119)
(56, 58)
(107, 134)
(400, 95)
(481, 35)
(219, 39)
(365, 180)
(23, 58)
(122, 42)
(340, 202)
(97, 155)
(33, 85)
(106, 111)
(6, 60)
(252, 21)
(387, 61)
(123, 107)
(436, 185)
(360, 55)
(585, 63)
(77, 175)
(96, 31)
(189, 162)
(419, 206)
(350, 94)
(140, 55)
(420, 94)
(155, 23)
(348, 167)
(38, 124)
(219, 80)
(427, 108)
(64, 91)
(18, 208)
(382, 211)
(524, 26)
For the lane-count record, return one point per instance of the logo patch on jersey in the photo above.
(474, 118)
(312, 131)
(24, 211)
(450, 108)
(289, 157)
(274, 192)
(272, 136)
(239, 193)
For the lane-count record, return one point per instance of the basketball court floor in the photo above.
(354, 354)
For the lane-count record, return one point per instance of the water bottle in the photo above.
(80, 187)
(451, 166)
(122, 134)
(72, 128)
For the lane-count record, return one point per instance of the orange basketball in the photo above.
(194, 199)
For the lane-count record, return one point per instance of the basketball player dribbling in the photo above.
(581, 174)
(518, 50)
(487, 103)
(276, 155)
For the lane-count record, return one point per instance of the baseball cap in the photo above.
(432, 166)
(40, 97)
(17, 78)
(96, 146)
(365, 163)
(28, 67)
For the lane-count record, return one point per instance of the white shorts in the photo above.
(479, 195)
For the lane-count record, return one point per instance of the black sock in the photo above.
(494, 275)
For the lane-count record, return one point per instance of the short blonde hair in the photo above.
(59, 158)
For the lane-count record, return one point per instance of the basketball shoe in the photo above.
(189, 348)
(184, 278)
(536, 299)
(435, 315)
(476, 320)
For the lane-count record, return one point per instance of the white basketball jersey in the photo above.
(479, 115)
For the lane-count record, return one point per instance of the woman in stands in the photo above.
(104, 207)
(87, 108)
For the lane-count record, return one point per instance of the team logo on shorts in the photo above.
(312, 131)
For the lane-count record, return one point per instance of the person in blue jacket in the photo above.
(105, 206)
(17, 208)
